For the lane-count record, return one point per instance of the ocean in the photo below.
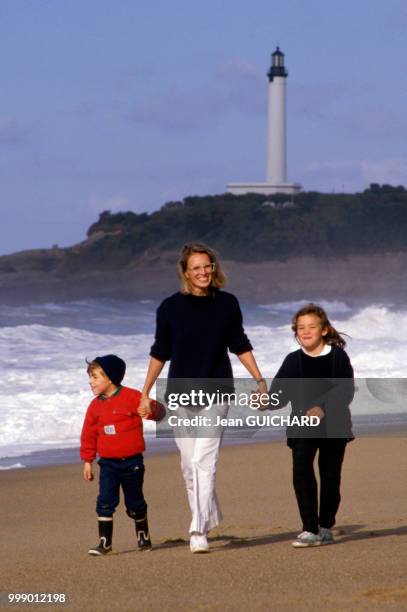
(44, 390)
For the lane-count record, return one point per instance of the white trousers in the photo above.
(199, 457)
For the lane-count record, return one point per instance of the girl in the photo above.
(321, 356)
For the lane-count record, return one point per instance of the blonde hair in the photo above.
(218, 277)
(332, 336)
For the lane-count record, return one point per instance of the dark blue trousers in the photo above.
(129, 475)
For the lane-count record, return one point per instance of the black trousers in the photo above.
(330, 458)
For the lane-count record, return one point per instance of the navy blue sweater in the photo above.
(195, 334)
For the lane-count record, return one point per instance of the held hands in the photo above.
(261, 395)
(316, 411)
(87, 471)
(262, 387)
(144, 407)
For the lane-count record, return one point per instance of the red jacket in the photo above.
(112, 427)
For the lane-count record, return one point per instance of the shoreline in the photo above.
(387, 426)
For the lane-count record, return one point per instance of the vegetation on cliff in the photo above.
(242, 228)
(259, 228)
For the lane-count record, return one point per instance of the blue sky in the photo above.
(125, 105)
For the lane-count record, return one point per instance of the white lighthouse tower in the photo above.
(276, 175)
(276, 154)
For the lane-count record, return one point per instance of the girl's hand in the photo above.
(316, 411)
(261, 395)
(87, 471)
(144, 407)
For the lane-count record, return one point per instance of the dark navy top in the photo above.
(196, 332)
(325, 381)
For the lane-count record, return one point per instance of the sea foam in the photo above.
(44, 391)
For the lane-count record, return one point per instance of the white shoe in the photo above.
(198, 543)
(307, 538)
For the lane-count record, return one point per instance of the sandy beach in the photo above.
(48, 523)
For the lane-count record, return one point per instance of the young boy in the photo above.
(113, 429)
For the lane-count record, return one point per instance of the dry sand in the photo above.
(48, 523)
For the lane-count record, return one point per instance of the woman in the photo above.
(195, 329)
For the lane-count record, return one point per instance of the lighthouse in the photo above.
(277, 138)
(276, 173)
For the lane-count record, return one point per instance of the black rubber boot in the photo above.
(105, 525)
(143, 534)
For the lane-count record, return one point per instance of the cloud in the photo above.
(237, 67)
(354, 175)
(89, 108)
(313, 101)
(358, 108)
(12, 131)
(234, 86)
(391, 171)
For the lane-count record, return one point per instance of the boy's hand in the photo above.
(144, 407)
(87, 471)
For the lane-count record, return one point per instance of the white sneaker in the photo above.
(198, 543)
(326, 536)
(307, 538)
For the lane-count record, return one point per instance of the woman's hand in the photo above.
(262, 387)
(144, 407)
(261, 395)
(87, 471)
(316, 411)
